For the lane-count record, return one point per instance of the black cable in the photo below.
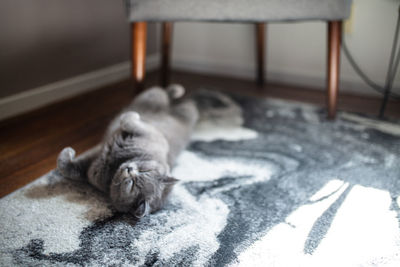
(396, 65)
(385, 90)
(391, 73)
(389, 86)
(366, 79)
(358, 70)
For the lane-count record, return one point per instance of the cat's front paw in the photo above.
(66, 155)
(64, 160)
(128, 120)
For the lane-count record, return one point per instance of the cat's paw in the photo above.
(175, 91)
(64, 159)
(128, 120)
(66, 155)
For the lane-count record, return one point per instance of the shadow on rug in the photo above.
(264, 182)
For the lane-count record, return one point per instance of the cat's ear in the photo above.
(142, 210)
(169, 180)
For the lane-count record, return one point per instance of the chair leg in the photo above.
(334, 40)
(139, 35)
(260, 54)
(167, 28)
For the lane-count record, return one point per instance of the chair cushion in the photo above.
(237, 10)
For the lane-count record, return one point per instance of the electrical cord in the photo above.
(391, 73)
(396, 65)
(360, 72)
(365, 78)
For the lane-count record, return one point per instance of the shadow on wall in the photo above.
(47, 41)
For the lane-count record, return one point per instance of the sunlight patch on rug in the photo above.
(385, 127)
(224, 122)
(195, 224)
(221, 131)
(51, 210)
(191, 167)
(365, 210)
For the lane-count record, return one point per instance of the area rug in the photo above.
(263, 183)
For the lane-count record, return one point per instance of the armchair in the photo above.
(259, 12)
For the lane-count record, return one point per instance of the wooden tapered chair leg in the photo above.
(138, 67)
(167, 28)
(334, 40)
(260, 53)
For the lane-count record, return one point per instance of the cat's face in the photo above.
(135, 185)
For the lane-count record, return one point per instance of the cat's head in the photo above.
(138, 186)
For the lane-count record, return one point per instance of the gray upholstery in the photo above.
(237, 10)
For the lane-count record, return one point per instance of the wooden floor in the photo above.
(30, 143)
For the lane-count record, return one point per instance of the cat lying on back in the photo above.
(134, 161)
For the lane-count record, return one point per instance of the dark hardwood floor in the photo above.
(30, 143)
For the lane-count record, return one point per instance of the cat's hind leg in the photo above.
(175, 91)
(76, 168)
(154, 98)
(186, 111)
(157, 98)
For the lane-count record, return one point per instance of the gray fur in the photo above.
(133, 163)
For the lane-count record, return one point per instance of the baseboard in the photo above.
(44, 95)
(298, 78)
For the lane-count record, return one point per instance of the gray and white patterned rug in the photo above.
(263, 183)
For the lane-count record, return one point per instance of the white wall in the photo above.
(296, 52)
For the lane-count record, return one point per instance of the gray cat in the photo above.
(133, 163)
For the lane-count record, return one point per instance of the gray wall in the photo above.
(45, 41)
